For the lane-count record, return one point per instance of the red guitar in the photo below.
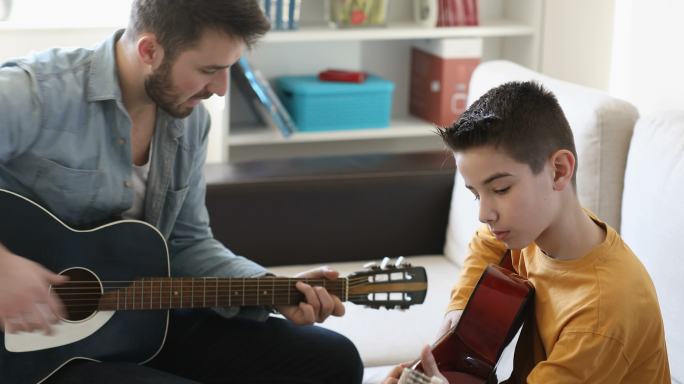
(469, 352)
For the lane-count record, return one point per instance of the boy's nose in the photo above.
(487, 215)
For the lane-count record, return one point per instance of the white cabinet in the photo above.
(510, 30)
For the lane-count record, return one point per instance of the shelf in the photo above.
(401, 128)
(399, 31)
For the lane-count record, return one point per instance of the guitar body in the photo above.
(121, 251)
(119, 290)
(469, 353)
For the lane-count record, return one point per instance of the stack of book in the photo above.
(261, 97)
(283, 14)
(452, 13)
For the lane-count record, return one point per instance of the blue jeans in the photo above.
(202, 347)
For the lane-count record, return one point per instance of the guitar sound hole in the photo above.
(80, 295)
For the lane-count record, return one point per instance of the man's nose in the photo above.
(219, 83)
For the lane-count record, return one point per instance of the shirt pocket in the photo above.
(68, 193)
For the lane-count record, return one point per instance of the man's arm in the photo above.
(193, 249)
(20, 111)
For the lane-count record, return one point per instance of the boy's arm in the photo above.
(582, 357)
(484, 250)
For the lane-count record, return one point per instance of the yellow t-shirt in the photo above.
(597, 317)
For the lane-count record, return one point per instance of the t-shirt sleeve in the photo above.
(582, 357)
(484, 249)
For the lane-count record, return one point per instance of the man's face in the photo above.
(178, 85)
(516, 204)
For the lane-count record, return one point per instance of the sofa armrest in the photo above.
(342, 208)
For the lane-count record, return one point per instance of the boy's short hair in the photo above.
(521, 118)
(179, 24)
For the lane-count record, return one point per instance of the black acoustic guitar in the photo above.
(119, 290)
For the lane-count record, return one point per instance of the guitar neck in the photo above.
(207, 292)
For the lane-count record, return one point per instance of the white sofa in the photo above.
(631, 173)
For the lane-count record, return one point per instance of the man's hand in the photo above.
(319, 303)
(450, 320)
(26, 303)
(427, 361)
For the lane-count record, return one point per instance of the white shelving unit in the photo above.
(510, 30)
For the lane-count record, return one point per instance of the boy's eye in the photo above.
(477, 197)
(501, 191)
(208, 71)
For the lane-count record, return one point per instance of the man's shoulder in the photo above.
(54, 61)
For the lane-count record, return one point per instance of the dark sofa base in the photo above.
(332, 209)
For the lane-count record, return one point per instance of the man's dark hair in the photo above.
(179, 24)
(521, 118)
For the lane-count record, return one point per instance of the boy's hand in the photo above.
(319, 303)
(427, 361)
(450, 321)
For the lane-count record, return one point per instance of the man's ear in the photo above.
(563, 165)
(149, 50)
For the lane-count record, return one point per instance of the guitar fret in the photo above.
(117, 298)
(216, 293)
(126, 298)
(257, 291)
(204, 293)
(289, 294)
(161, 289)
(142, 291)
(133, 295)
(273, 290)
(181, 293)
(243, 291)
(192, 292)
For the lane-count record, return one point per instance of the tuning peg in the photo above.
(385, 263)
(372, 265)
(400, 262)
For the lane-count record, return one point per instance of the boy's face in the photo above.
(516, 204)
(197, 73)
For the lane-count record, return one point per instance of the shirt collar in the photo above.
(103, 80)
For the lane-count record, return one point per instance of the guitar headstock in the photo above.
(389, 285)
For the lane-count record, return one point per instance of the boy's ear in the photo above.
(563, 163)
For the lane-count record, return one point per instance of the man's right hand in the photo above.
(450, 320)
(26, 303)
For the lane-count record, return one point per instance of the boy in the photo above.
(596, 314)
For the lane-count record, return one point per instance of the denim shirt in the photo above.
(65, 143)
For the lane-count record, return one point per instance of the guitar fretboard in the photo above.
(206, 292)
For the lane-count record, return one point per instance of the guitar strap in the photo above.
(507, 262)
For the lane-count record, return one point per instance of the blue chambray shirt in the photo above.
(65, 143)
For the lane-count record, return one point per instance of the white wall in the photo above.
(576, 41)
(648, 54)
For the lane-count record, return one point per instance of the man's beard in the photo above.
(159, 88)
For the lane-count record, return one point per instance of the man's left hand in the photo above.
(319, 303)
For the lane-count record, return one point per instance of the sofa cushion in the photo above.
(389, 337)
(602, 126)
(652, 212)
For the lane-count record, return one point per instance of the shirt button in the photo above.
(128, 184)
(121, 141)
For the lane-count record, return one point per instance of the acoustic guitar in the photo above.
(120, 290)
(469, 352)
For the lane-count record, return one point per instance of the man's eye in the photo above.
(477, 197)
(501, 191)
(208, 71)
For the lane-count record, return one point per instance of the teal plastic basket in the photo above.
(327, 106)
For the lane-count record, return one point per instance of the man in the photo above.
(119, 132)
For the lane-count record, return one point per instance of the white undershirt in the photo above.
(139, 180)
